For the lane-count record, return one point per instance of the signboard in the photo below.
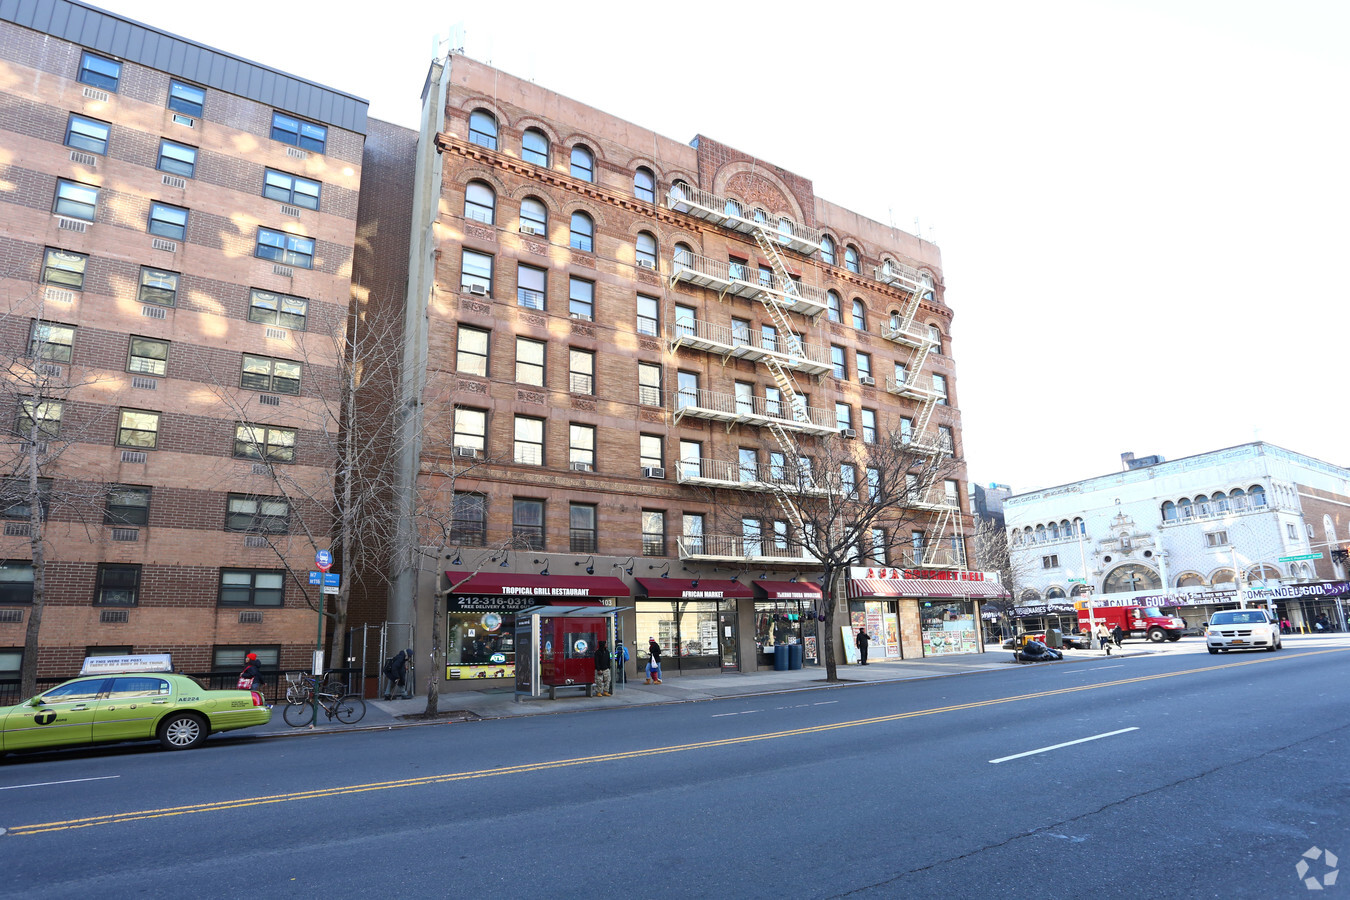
(331, 579)
(331, 589)
(323, 560)
(150, 662)
(861, 572)
(1077, 581)
(487, 603)
(316, 578)
(1300, 557)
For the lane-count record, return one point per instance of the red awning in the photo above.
(684, 589)
(510, 584)
(924, 587)
(789, 590)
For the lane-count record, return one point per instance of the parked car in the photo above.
(137, 706)
(1243, 629)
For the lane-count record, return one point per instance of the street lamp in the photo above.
(1087, 588)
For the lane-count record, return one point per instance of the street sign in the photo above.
(331, 589)
(323, 560)
(1300, 557)
(1077, 581)
(331, 579)
(316, 578)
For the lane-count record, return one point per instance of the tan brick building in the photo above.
(177, 237)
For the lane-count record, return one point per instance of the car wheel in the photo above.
(182, 731)
(1213, 651)
(1157, 635)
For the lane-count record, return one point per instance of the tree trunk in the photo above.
(831, 627)
(437, 665)
(28, 675)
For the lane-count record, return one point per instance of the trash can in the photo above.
(1054, 639)
(780, 658)
(794, 656)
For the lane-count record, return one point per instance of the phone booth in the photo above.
(555, 646)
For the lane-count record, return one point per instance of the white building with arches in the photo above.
(1189, 533)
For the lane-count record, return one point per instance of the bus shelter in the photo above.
(555, 647)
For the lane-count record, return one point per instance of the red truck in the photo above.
(1135, 621)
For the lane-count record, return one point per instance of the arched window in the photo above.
(1169, 511)
(583, 232)
(833, 305)
(1054, 593)
(1190, 579)
(646, 250)
(1040, 534)
(1029, 596)
(827, 249)
(1221, 576)
(1219, 501)
(483, 129)
(583, 163)
(1130, 577)
(684, 255)
(1027, 534)
(679, 189)
(1184, 508)
(534, 147)
(1257, 495)
(1078, 527)
(926, 279)
(761, 216)
(851, 259)
(896, 320)
(1263, 573)
(1201, 505)
(644, 184)
(1053, 531)
(533, 216)
(1064, 529)
(859, 315)
(733, 208)
(480, 204)
(785, 230)
(1079, 590)
(935, 335)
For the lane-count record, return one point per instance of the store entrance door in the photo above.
(726, 631)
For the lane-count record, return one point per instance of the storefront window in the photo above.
(948, 627)
(882, 623)
(785, 622)
(687, 631)
(480, 637)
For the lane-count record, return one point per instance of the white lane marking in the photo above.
(15, 787)
(1095, 737)
(1098, 669)
(824, 702)
(741, 713)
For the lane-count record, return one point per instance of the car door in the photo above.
(130, 707)
(64, 715)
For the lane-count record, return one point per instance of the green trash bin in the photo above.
(1054, 639)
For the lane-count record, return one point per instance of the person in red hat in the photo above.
(251, 678)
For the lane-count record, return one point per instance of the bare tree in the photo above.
(993, 552)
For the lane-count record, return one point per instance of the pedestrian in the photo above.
(251, 678)
(1285, 627)
(862, 640)
(621, 657)
(1103, 638)
(604, 686)
(653, 661)
(396, 674)
(1117, 635)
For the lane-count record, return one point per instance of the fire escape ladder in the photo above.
(934, 549)
(920, 426)
(790, 454)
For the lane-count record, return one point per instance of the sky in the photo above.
(1143, 206)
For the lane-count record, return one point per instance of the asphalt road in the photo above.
(1191, 776)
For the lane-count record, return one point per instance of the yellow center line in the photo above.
(320, 793)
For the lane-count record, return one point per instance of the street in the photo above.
(1168, 775)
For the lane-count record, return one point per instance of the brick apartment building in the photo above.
(615, 342)
(177, 238)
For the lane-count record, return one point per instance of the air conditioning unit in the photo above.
(530, 229)
(470, 452)
(653, 472)
(582, 467)
(646, 264)
(479, 290)
(584, 317)
(848, 433)
(867, 380)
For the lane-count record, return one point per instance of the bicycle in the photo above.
(347, 708)
(300, 687)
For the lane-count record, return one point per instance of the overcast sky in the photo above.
(1143, 206)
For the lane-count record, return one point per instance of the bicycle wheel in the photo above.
(296, 693)
(297, 714)
(350, 709)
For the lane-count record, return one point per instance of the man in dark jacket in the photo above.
(862, 640)
(396, 673)
(603, 671)
(1117, 635)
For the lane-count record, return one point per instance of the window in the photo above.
(946, 442)
(766, 276)
(265, 442)
(648, 315)
(581, 528)
(843, 415)
(686, 390)
(646, 250)
(158, 287)
(848, 480)
(534, 147)
(167, 221)
(251, 587)
(87, 134)
(940, 388)
(951, 492)
(827, 249)
(50, 341)
(580, 371)
(879, 546)
(691, 459)
(864, 364)
(291, 189)
(530, 361)
(258, 515)
(468, 522)
(649, 384)
(39, 417)
(1216, 539)
(683, 256)
(732, 208)
(644, 184)
(287, 249)
(177, 159)
(737, 268)
(916, 541)
(583, 232)
(16, 581)
(859, 315)
(148, 356)
(832, 302)
(472, 351)
(475, 271)
(282, 310)
(1050, 562)
(653, 532)
(527, 523)
(583, 163)
(16, 502)
(581, 299)
(752, 543)
(745, 398)
(533, 216)
(99, 71)
(262, 373)
(873, 483)
(651, 454)
(483, 129)
(869, 425)
(740, 332)
(529, 441)
(1293, 534)
(470, 429)
(64, 268)
(685, 321)
(748, 459)
(851, 259)
(531, 287)
(693, 532)
(187, 99)
(480, 203)
(298, 133)
(768, 338)
(837, 362)
(906, 430)
(127, 505)
(75, 200)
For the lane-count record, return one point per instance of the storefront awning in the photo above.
(788, 590)
(701, 589)
(510, 584)
(923, 587)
